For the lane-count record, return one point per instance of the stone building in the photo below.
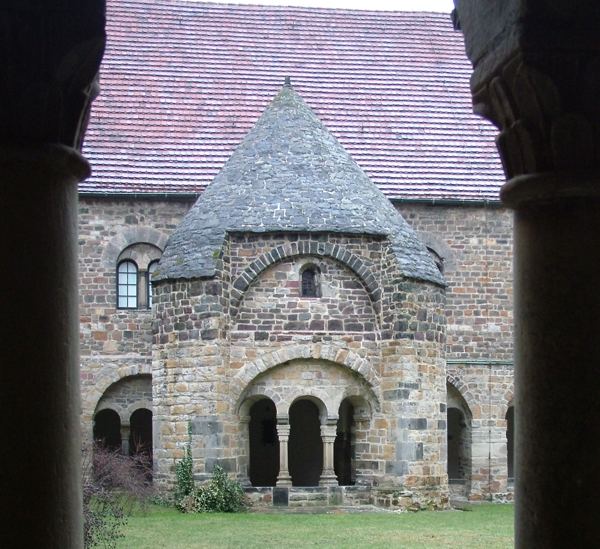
(397, 371)
(541, 95)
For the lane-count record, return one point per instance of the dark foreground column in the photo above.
(537, 77)
(557, 339)
(51, 52)
(41, 451)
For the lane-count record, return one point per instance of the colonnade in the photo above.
(328, 436)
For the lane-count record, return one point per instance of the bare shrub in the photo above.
(113, 486)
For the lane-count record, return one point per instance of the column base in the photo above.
(328, 478)
(284, 480)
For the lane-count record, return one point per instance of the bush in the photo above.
(220, 494)
(184, 477)
(113, 485)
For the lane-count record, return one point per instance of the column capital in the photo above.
(51, 161)
(328, 432)
(51, 52)
(537, 78)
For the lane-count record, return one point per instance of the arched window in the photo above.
(309, 282)
(134, 267)
(151, 268)
(127, 285)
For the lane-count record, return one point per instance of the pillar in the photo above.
(557, 362)
(328, 434)
(537, 77)
(244, 470)
(283, 433)
(39, 356)
(51, 53)
(125, 433)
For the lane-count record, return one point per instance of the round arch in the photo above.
(343, 357)
(107, 377)
(129, 236)
(303, 248)
(463, 391)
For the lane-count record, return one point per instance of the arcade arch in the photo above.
(302, 423)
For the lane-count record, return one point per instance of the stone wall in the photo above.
(476, 245)
(128, 395)
(349, 325)
(264, 342)
(114, 343)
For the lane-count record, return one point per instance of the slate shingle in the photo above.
(289, 174)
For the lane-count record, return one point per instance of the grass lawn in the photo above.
(484, 527)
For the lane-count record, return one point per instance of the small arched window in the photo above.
(127, 285)
(151, 268)
(437, 259)
(309, 282)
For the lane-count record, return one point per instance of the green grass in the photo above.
(485, 526)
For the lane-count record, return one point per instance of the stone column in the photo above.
(244, 473)
(125, 432)
(50, 53)
(39, 356)
(537, 77)
(557, 362)
(283, 433)
(328, 434)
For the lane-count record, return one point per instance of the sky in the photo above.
(443, 6)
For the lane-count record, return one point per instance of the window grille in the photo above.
(127, 291)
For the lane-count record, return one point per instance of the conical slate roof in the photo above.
(289, 174)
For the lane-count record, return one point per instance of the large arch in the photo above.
(459, 434)
(127, 396)
(129, 236)
(105, 378)
(312, 248)
(318, 351)
(470, 400)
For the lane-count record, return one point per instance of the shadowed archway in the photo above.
(305, 444)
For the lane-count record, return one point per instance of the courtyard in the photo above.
(485, 525)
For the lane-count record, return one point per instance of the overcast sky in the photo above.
(444, 6)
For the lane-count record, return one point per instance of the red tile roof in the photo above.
(182, 83)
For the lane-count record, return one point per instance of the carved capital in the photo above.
(547, 110)
(537, 78)
(51, 52)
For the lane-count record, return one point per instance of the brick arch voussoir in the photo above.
(128, 237)
(463, 391)
(344, 357)
(296, 249)
(108, 378)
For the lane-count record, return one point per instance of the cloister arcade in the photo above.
(295, 434)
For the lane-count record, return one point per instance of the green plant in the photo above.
(184, 475)
(220, 494)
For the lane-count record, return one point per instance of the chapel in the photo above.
(299, 324)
